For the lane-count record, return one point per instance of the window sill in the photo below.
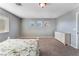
(4, 31)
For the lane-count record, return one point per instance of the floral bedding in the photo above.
(19, 47)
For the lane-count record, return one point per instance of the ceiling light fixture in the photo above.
(42, 5)
(18, 4)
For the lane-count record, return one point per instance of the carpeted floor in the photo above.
(52, 47)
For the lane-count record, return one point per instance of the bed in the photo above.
(19, 47)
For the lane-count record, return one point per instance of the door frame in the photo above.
(77, 13)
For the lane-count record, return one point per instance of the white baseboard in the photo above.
(36, 37)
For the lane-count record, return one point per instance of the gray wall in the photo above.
(14, 25)
(67, 23)
(38, 32)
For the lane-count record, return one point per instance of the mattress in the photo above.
(19, 47)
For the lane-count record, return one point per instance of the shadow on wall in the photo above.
(3, 36)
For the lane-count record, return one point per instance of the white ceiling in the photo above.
(33, 10)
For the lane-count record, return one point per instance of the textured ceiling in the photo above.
(33, 10)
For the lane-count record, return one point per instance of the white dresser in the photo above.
(64, 38)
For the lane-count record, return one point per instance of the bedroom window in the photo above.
(4, 24)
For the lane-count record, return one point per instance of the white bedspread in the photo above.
(19, 47)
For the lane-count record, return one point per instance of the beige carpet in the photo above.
(52, 47)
